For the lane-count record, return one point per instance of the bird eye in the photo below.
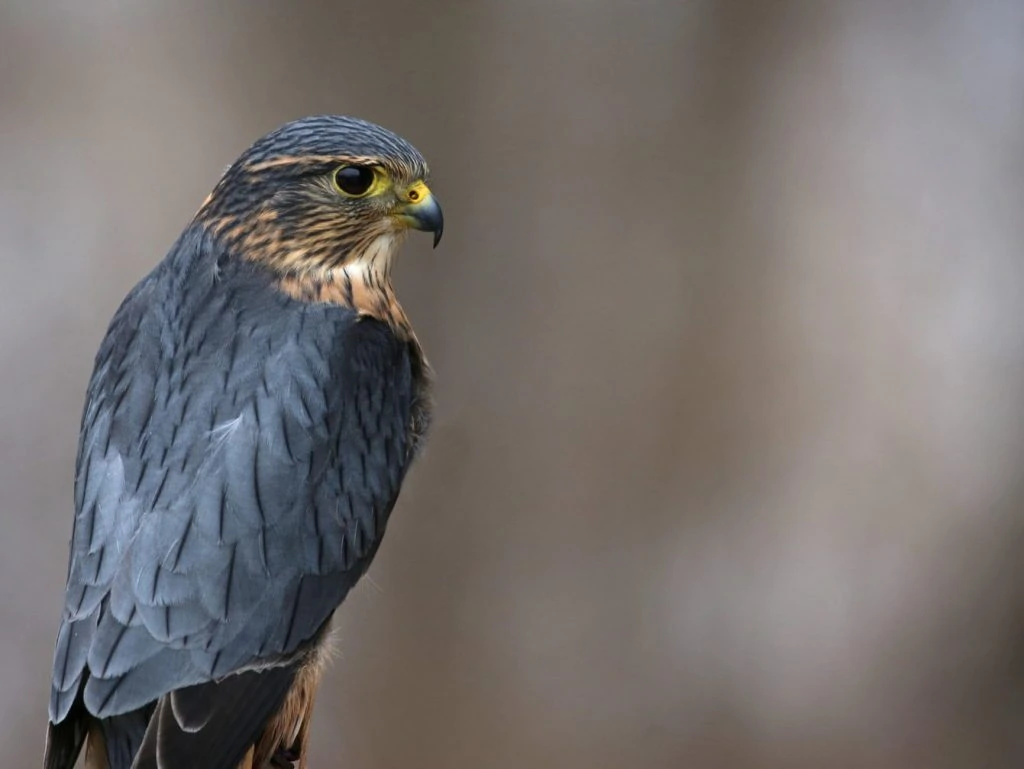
(354, 181)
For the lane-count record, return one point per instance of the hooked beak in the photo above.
(421, 211)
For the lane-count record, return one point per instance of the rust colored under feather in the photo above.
(357, 286)
(285, 740)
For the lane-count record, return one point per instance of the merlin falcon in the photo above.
(253, 410)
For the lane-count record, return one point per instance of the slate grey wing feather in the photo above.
(240, 454)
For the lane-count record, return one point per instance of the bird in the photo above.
(253, 410)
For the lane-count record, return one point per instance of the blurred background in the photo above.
(728, 326)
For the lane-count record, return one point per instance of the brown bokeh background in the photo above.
(728, 325)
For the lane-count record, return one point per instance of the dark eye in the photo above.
(354, 180)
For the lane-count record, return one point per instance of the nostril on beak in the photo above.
(414, 196)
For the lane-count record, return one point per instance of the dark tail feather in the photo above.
(113, 742)
(64, 740)
(213, 725)
(122, 737)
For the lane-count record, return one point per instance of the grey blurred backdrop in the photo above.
(727, 325)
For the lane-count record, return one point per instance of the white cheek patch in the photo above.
(374, 262)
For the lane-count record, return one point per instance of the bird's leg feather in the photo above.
(246, 762)
(286, 736)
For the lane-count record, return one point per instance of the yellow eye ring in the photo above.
(356, 181)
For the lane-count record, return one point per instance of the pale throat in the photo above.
(372, 263)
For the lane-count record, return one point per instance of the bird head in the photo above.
(322, 193)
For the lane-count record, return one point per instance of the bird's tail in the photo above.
(64, 740)
(111, 743)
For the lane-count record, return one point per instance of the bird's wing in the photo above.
(230, 492)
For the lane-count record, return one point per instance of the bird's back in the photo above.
(240, 454)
